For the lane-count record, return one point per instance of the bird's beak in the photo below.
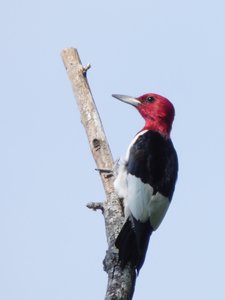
(127, 99)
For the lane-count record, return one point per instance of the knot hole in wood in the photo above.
(96, 144)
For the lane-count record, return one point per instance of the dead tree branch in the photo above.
(120, 282)
(96, 206)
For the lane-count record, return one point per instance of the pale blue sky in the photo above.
(52, 246)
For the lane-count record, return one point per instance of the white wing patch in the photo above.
(142, 204)
(138, 198)
(158, 208)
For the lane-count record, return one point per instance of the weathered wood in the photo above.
(120, 282)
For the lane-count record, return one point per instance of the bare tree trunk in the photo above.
(121, 283)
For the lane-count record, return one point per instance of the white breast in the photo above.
(120, 183)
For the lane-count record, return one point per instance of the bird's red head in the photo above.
(157, 111)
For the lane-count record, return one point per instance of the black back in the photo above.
(153, 159)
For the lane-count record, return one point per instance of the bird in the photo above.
(146, 177)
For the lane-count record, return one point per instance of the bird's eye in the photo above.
(150, 99)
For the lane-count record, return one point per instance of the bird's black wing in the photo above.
(153, 159)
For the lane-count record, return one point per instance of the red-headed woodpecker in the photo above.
(146, 177)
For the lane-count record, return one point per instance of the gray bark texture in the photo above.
(121, 283)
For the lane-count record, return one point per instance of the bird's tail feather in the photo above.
(132, 242)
